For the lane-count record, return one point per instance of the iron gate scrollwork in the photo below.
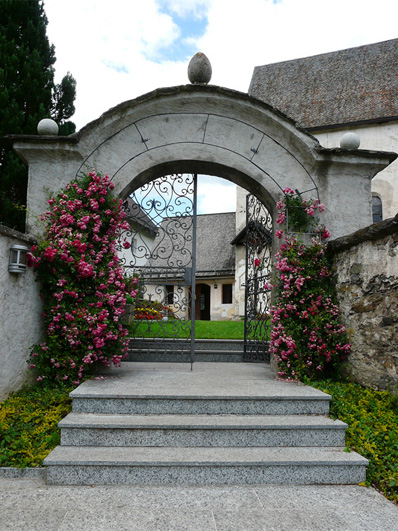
(162, 238)
(258, 272)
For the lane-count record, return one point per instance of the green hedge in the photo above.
(29, 425)
(372, 417)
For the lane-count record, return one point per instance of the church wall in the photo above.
(376, 137)
(220, 311)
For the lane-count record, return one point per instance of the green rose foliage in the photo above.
(83, 287)
(308, 338)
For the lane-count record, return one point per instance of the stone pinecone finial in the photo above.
(199, 69)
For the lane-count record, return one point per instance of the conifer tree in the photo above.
(27, 94)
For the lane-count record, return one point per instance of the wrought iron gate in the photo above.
(258, 271)
(162, 219)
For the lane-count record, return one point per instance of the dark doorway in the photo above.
(202, 302)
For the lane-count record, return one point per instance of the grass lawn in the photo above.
(203, 329)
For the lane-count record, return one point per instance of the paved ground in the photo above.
(30, 505)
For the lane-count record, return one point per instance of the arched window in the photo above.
(377, 209)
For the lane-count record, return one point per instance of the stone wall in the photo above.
(367, 275)
(20, 315)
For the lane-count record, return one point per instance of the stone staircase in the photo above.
(220, 424)
(177, 350)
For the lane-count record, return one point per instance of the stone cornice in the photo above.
(12, 233)
(377, 231)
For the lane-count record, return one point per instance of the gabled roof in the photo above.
(357, 85)
(215, 256)
(135, 214)
(214, 252)
(257, 231)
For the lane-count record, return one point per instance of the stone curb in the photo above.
(16, 473)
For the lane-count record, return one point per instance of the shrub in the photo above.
(308, 338)
(151, 310)
(29, 425)
(372, 418)
(83, 287)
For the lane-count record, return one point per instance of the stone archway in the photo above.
(210, 130)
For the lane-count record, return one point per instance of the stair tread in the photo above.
(182, 393)
(95, 420)
(182, 340)
(180, 456)
(237, 381)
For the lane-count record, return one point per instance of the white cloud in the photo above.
(122, 49)
(215, 195)
(119, 50)
(183, 8)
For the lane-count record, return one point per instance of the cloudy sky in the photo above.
(120, 49)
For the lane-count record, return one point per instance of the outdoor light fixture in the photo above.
(215, 285)
(17, 263)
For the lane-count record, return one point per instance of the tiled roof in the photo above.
(215, 256)
(348, 86)
(214, 250)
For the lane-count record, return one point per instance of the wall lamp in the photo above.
(17, 263)
(215, 285)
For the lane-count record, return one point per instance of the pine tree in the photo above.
(27, 94)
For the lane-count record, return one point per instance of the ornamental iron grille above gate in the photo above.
(162, 235)
(258, 273)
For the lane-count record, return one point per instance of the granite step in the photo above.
(201, 405)
(220, 424)
(178, 350)
(200, 430)
(200, 344)
(208, 356)
(87, 465)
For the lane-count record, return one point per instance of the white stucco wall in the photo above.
(220, 311)
(139, 251)
(20, 315)
(378, 137)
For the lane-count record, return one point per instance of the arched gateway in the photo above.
(209, 130)
(205, 130)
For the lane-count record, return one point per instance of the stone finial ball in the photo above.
(350, 141)
(47, 127)
(199, 69)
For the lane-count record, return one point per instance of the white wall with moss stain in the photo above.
(20, 315)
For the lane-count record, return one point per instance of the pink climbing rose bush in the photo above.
(308, 338)
(83, 287)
